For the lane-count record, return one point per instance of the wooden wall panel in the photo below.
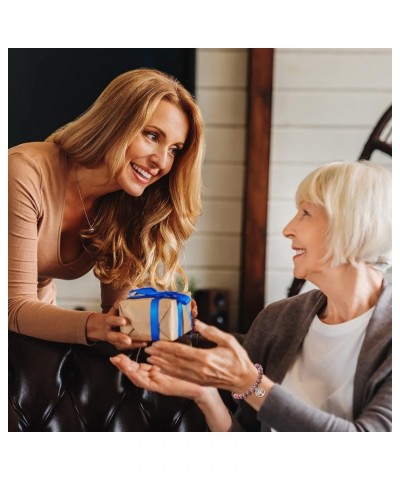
(256, 186)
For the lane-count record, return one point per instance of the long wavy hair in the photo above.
(139, 240)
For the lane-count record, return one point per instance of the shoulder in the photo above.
(385, 298)
(34, 161)
(302, 303)
(35, 152)
(288, 314)
(380, 324)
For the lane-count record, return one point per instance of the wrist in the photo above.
(217, 415)
(257, 402)
(247, 380)
(94, 331)
(255, 388)
(205, 395)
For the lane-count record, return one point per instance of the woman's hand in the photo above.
(105, 327)
(193, 308)
(226, 366)
(151, 378)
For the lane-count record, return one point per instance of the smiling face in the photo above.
(151, 153)
(307, 231)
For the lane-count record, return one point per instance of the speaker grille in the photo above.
(213, 307)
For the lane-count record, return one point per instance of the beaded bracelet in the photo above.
(259, 391)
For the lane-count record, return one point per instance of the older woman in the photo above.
(320, 361)
(118, 189)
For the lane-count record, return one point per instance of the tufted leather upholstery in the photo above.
(64, 387)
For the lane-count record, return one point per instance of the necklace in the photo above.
(91, 225)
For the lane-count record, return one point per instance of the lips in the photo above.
(141, 172)
(298, 252)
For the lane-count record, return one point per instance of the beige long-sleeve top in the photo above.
(36, 194)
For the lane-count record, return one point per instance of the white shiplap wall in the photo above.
(325, 103)
(212, 255)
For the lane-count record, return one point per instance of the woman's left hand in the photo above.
(226, 366)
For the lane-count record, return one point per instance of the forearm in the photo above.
(215, 411)
(284, 412)
(48, 322)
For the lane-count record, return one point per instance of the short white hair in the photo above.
(357, 198)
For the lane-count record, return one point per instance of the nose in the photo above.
(288, 231)
(159, 158)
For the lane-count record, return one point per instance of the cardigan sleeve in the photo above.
(285, 413)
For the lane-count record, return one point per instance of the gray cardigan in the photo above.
(274, 340)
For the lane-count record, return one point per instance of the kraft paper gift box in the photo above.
(153, 315)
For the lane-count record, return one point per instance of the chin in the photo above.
(299, 275)
(136, 191)
(137, 194)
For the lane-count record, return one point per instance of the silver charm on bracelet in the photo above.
(259, 391)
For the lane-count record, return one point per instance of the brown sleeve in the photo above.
(26, 313)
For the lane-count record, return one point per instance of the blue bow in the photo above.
(149, 292)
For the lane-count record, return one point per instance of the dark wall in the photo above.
(49, 87)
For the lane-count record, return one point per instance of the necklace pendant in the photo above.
(91, 228)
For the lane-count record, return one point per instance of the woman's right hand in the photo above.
(150, 377)
(105, 327)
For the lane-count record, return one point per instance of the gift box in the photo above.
(153, 315)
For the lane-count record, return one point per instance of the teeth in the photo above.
(142, 172)
(299, 251)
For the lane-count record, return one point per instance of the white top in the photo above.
(323, 373)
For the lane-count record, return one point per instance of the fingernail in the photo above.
(115, 360)
(127, 341)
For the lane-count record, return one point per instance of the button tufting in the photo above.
(63, 387)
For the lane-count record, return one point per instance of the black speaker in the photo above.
(213, 307)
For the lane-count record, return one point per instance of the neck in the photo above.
(93, 182)
(351, 291)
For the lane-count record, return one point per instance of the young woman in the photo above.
(118, 189)
(323, 358)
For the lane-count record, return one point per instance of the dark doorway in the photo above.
(49, 87)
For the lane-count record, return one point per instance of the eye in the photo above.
(153, 136)
(305, 213)
(173, 151)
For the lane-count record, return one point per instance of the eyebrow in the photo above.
(163, 134)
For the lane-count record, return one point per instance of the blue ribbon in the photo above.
(149, 292)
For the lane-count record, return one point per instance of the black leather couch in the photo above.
(75, 388)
